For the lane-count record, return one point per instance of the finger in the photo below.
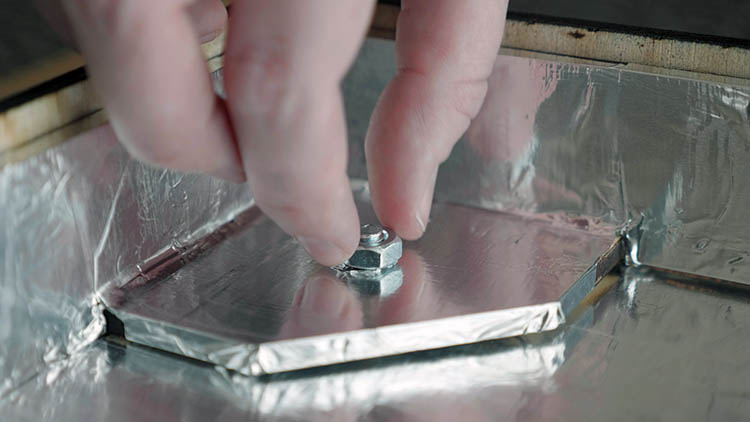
(284, 63)
(445, 52)
(144, 60)
(322, 305)
(209, 18)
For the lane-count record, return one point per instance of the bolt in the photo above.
(372, 235)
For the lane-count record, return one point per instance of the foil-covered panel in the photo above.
(256, 303)
(586, 148)
(653, 347)
(79, 216)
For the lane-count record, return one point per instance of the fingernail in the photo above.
(297, 302)
(323, 251)
(209, 37)
(425, 204)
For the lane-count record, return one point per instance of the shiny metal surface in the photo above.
(652, 348)
(603, 146)
(586, 149)
(257, 304)
(622, 145)
(79, 216)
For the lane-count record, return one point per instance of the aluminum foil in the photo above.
(600, 147)
(571, 148)
(649, 349)
(616, 146)
(257, 304)
(77, 217)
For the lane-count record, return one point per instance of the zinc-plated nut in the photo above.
(379, 248)
(381, 283)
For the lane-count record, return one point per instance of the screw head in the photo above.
(372, 235)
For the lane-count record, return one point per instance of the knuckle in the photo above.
(466, 100)
(470, 95)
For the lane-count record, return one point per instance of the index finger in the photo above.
(284, 63)
(145, 62)
(445, 53)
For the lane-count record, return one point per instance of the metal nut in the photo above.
(381, 283)
(379, 248)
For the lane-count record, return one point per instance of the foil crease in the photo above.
(75, 218)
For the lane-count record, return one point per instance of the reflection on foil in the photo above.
(416, 383)
(671, 344)
(256, 303)
(125, 383)
(381, 283)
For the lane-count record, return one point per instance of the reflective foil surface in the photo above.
(651, 348)
(80, 216)
(256, 303)
(600, 146)
(614, 146)
(577, 149)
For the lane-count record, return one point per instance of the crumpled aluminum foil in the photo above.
(77, 217)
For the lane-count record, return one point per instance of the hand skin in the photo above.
(282, 126)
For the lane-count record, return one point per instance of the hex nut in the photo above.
(380, 255)
(382, 283)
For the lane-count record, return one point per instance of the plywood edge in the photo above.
(39, 119)
(41, 143)
(657, 54)
(37, 73)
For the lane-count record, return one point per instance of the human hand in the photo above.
(282, 125)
